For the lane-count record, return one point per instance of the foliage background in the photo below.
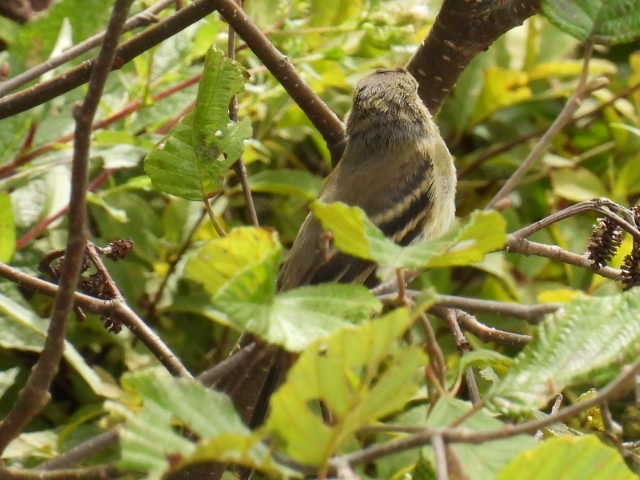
(515, 88)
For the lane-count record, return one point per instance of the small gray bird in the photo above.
(395, 166)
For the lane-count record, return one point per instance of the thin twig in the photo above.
(345, 472)
(174, 262)
(36, 284)
(451, 316)
(82, 451)
(582, 91)
(99, 472)
(490, 334)
(35, 394)
(152, 341)
(530, 313)
(465, 435)
(442, 472)
(527, 247)
(436, 357)
(613, 428)
(140, 19)
(239, 167)
(557, 403)
(212, 217)
(603, 206)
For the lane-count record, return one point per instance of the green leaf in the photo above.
(37, 38)
(222, 78)
(12, 135)
(360, 374)
(584, 341)
(482, 461)
(150, 437)
(483, 233)
(333, 12)
(239, 272)
(7, 379)
(222, 259)
(577, 184)
(174, 167)
(192, 161)
(355, 234)
(606, 21)
(22, 329)
(7, 228)
(574, 458)
(296, 318)
(286, 182)
(502, 88)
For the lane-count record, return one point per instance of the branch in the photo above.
(143, 18)
(461, 31)
(439, 449)
(527, 247)
(603, 206)
(35, 394)
(451, 317)
(104, 307)
(322, 117)
(436, 358)
(490, 334)
(424, 436)
(88, 473)
(239, 167)
(82, 451)
(531, 313)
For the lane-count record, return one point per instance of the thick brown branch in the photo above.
(322, 117)
(462, 30)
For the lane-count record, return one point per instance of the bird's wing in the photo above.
(398, 202)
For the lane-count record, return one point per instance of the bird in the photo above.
(398, 169)
(395, 166)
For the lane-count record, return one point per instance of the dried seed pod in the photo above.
(605, 240)
(111, 324)
(635, 211)
(631, 267)
(118, 249)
